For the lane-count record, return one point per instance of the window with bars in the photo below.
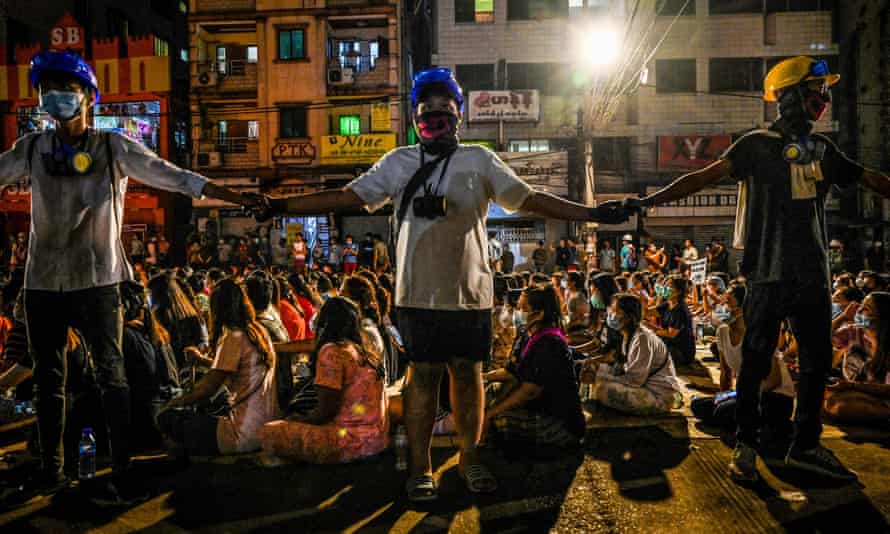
(476, 77)
(350, 125)
(292, 121)
(162, 47)
(291, 44)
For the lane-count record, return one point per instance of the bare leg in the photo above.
(467, 401)
(421, 400)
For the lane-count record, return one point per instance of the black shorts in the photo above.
(440, 335)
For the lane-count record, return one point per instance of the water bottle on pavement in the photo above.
(401, 443)
(87, 455)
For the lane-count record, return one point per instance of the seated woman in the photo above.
(349, 421)
(578, 309)
(643, 380)
(863, 396)
(245, 364)
(503, 329)
(675, 320)
(539, 403)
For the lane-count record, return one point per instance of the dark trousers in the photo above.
(97, 313)
(807, 306)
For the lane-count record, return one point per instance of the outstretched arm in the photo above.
(559, 208)
(320, 203)
(689, 183)
(877, 182)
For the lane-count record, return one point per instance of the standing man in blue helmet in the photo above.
(440, 190)
(76, 259)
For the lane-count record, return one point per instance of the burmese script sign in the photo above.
(545, 171)
(507, 106)
(355, 149)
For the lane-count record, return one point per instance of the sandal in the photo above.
(422, 489)
(479, 479)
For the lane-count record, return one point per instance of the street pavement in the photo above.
(633, 474)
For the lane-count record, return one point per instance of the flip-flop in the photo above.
(479, 479)
(421, 489)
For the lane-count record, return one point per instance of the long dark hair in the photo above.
(230, 308)
(632, 308)
(359, 290)
(879, 365)
(606, 285)
(339, 321)
(299, 287)
(169, 300)
(543, 298)
(134, 301)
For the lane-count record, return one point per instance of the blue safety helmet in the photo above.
(437, 76)
(65, 62)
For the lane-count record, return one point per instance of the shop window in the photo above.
(292, 122)
(476, 77)
(476, 11)
(736, 74)
(529, 145)
(675, 76)
(350, 125)
(291, 44)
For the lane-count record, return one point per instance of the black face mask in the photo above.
(437, 131)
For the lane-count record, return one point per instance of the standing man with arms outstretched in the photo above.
(76, 259)
(441, 190)
(784, 174)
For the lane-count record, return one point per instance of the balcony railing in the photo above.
(368, 74)
(235, 152)
(235, 75)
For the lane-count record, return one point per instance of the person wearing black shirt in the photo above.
(544, 407)
(563, 256)
(785, 174)
(366, 257)
(676, 321)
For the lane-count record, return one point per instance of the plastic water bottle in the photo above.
(700, 330)
(87, 455)
(401, 443)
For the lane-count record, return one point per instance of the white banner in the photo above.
(545, 171)
(507, 106)
(698, 271)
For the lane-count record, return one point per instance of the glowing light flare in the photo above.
(597, 46)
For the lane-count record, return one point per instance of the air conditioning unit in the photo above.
(340, 76)
(208, 79)
(209, 160)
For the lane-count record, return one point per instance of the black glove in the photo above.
(260, 206)
(610, 212)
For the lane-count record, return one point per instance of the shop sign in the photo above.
(66, 34)
(304, 151)
(507, 106)
(690, 152)
(545, 171)
(355, 149)
(380, 117)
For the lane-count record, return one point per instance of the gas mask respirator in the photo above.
(798, 109)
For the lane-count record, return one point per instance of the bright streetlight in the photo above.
(597, 46)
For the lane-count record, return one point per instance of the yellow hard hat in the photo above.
(793, 71)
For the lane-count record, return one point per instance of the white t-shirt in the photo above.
(733, 356)
(442, 263)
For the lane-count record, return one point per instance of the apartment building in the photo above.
(290, 97)
(139, 52)
(702, 90)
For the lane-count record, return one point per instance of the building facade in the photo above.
(291, 97)
(139, 52)
(703, 89)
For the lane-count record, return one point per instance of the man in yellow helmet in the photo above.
(784, 174)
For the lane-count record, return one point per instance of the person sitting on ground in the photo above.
(643, 380)
(178, 315)
(302, 299)
(245, 364)
(538, 403)
(777, 392)
(197, 282)
(845, 302)
(863, 396)
(349, 422)
(149, 363)
(602, 289)
(676, 321)
(360, 291)
(292, 317)
(502, 325)
(578, 309)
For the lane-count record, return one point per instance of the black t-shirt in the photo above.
(786, 237)
(366, 253)
(548, 366)
(563, 256)
(680, 318)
